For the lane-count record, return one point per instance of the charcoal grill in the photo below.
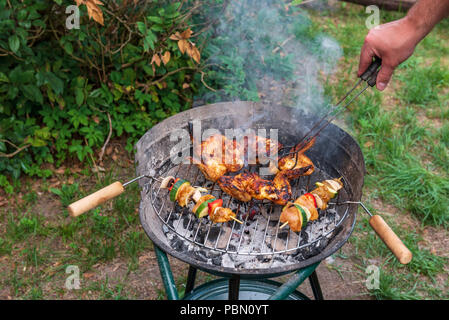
(259, 248)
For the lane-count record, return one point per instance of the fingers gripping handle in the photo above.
(370, 74)
(390, 239)
(95, 199)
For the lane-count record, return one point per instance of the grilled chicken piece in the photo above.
(236, 186)
(216, 156)
(184, 194)
(290, 214)
(316, 199)
(260, 149)
(212, 169)
(248, 185)
(277, 191)
(288, 162)
(222, 215)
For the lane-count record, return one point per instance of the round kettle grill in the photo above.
(259, 247)
(198, 242)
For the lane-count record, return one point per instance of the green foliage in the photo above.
(104, 226)
(5, 247)
(67, 193)
(60, 86)
(26, 226)
(247, 48)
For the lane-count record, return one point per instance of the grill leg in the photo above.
(166, 274)
(316, 288)
(191, 276)
(234, 287)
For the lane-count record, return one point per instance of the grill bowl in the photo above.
(335, 153)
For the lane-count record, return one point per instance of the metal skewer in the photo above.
(353, 202)
(141, 177)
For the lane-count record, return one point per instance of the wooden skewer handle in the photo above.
(390, 238)
(95, 199)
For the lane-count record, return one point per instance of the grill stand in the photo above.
(283, 291)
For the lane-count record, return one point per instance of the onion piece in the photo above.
(166, 181)
(190, 193)
(319, 201)
(196, 195)
(334, 184)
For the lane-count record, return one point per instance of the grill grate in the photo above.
(259, 235)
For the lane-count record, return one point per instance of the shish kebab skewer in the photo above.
(305, 208)
(218, 213)
(182, 192)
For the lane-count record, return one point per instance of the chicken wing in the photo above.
(296, 159)
(218, 155)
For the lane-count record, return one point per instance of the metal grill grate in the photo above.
(259, 235)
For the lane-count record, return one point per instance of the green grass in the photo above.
(422, 84)
(46, 246)
(21, 227)
(133, 244)
(397, 281)
(404, 136)
(396, 287)
(67, 194)
(406, 153)
(412, 187)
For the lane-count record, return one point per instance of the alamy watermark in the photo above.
(230, 146)
(73, 20)
(373, 19)
(73, 280)
(373, 277)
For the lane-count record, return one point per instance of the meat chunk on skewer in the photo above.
(305, 208)
(182, 192)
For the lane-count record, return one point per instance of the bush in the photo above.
(64, 91)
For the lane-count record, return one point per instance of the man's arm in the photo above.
(394, 42)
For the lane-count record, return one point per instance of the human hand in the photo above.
(393, 42)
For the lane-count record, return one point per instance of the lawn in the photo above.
(402, 132)
(404, 135)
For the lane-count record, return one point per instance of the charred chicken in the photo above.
(248, 185)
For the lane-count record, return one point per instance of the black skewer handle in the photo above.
(370, 74)
(372, 79)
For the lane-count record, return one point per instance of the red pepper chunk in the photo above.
(309, 195)
(174, 182)
(214, 204)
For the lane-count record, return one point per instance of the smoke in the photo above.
(265, 50)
